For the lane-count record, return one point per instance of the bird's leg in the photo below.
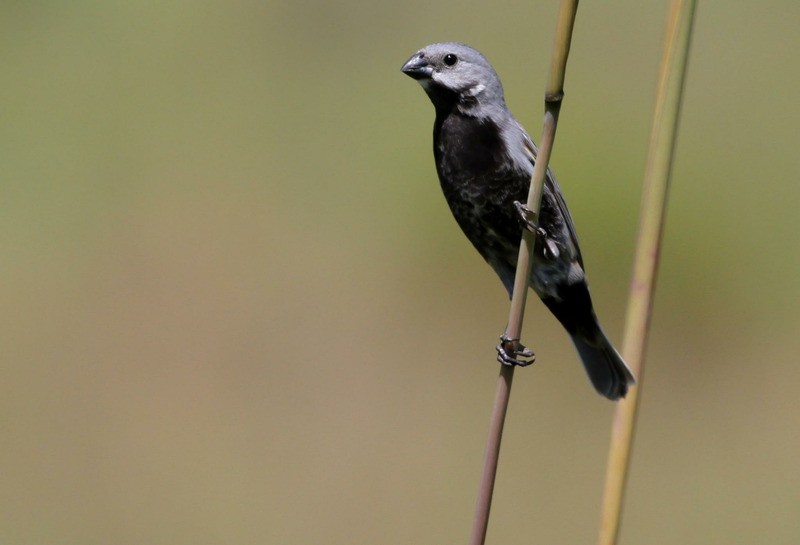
(526, 215)
(510, 349)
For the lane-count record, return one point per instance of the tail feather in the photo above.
(606, 368)
(572, 306)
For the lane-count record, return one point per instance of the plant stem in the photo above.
(648, 245)
(554, 92)
(481, 521)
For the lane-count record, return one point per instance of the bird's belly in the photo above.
(548, 275)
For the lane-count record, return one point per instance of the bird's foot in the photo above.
(512, 352)
(527, 217)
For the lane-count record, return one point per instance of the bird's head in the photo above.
(454, 74)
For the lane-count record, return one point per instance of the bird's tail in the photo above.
(606, 368)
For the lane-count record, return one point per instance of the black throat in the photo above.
(466, 146)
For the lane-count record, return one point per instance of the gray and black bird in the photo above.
(485, 159)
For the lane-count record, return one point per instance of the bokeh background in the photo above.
(236, 308)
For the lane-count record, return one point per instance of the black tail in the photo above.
(605, 367)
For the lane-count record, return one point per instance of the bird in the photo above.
(484, 160)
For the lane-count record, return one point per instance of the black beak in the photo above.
(417, 67)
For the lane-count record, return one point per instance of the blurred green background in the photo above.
(236, 308)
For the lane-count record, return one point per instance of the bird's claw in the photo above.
(527, 217)
(509, 350)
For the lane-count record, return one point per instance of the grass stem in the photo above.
(648, 246)
(554, 93)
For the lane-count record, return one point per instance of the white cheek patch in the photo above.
(476, 90)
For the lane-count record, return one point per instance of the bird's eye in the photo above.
(450, 59)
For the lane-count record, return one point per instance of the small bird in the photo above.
(484, 159)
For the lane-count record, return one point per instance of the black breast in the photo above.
(467, 148)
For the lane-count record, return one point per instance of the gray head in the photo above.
(454, 74)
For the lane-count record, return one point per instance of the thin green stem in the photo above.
(553, 94)
(648, 245)
(481, 521)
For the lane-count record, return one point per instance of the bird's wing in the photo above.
(552, 185)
